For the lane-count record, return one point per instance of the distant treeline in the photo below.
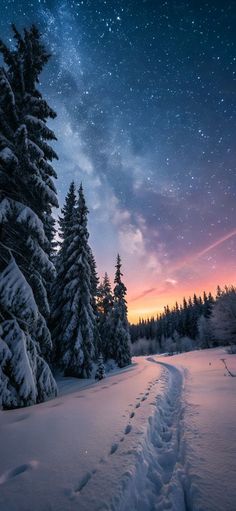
(203, 321)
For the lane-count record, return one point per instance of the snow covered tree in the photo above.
(94, 279)
(27, 195)
(66, 221)
(208, 303)
(205, 334)
(100, 373)
(223, 319)
(121, 336)
(59, 299)
(75, 336)
(105, 310)
(94, 282)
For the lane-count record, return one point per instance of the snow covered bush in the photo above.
(145, 347)
(139, 347)
(179, 344)
(170, 346)
(231, 350)
(187, 344)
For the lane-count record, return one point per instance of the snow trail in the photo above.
(153, 477)
(209, 428)
(113, 450)
(84, 447)
(159, 478)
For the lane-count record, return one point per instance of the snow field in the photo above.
(209, 428)
(156, 436)
(81, 444)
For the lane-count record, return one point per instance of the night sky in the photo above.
(145, 96)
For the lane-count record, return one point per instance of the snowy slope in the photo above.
(159, 435)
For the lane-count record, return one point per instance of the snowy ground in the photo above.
(209, 428)
(159, 435)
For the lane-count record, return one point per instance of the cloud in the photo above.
(173, 282)
(162, 288)
(186, 262)
(131, 240)
(143, 294)
(146, 196)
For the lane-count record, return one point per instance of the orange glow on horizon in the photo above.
(154, 304)
(149, 296)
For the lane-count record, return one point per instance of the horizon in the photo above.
(153, 144)
(171, 303)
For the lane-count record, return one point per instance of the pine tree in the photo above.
(105, 310)
(60, 302)
(223, 318)
(94, 283)
(121, 337)
(75, 337)
(94, 279)
(208, 302)
(100, 373)
(27, 195)
(205, 335)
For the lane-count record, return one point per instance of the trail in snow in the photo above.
(209, 426)
(157, 436)
(153, 475)
(83, 442)
(159, 479)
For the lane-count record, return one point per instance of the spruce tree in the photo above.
(27, 195)
(75, 336)
(121, 337)
(223, 318)
(60, 302)
(94, 279)
(100, 373)
(105, 310)
(94, 283)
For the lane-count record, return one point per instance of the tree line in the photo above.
(53, 312)
(201, 321)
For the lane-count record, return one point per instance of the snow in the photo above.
(210, 427)
(15, 291)
(155, 436)
(7, 155)
(29, 217)
(6, 88)
(39, 256)
(5, 209)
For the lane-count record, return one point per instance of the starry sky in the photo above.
(145, 96)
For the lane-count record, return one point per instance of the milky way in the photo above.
(145, 96)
